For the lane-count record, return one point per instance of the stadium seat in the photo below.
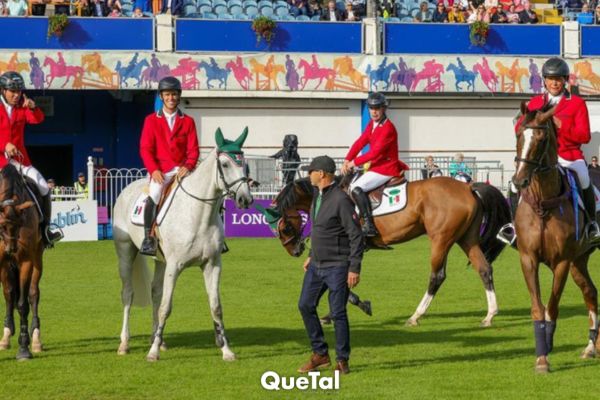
(219, 3)
(205, 8)
(315, 18)
(248, 3)
(282, 11)
(413, 12)
(266, 11)
(148, 14)
(236, 9)
(407, 19)
(251, 11)
(220, 9)
(264, 3)
(393, 19)
(126, 7)
(242, 17)
(189, 9)
(189, 2)
(225, 16)
(280, 3)
(288, 17)
(209, 15)
(201, 3)
(232, 3)
(274, 17)
(302, 18)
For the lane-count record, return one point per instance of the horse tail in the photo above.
(496, 214)
(141, 282)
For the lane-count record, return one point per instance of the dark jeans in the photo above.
(316, 282)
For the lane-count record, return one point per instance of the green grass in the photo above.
(447, 357)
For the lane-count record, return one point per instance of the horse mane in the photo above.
(287, 198)
(12, 182)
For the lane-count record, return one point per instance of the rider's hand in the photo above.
(347, 167)
(27, 102)
(183, 172)
(11, 150)
(353, 279)
(306, 264)
(158, 177)
(557, 122)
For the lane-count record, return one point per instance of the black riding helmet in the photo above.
(377, 100)
(169, 83)
(12, 80)
(554, 67)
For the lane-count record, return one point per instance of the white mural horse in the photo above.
(191, 233)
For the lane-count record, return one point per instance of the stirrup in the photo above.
(592, 231)
(369, 231)
(507, 234)
(52, 234)
(149, 246)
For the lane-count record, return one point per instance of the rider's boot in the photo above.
(149, 245)
(50, 237)
(592, 230)
(364, 206)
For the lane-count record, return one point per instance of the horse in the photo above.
(312, 73)
(446, 210)
(583, 70)
(240, 73)
(431, 70)
(381, 74)
(37, 77)
(133, 73)
(549, 230)
(191, 233)
(462, 76)
(403, 77)
(343, 66)
(215, 73)
(92, 64)
(489, 78)
(21, 251)
(56, 71)
(162, 72)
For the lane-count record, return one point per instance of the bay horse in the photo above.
(545, 224)
(448, 211)
(21, 250)
(191, 233)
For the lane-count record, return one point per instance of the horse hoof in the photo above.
(152, 357)
(229, 357)
(411, 322)
(123, 349)
(486, 323)
(24, 355)
(37, 348)
(588, 353)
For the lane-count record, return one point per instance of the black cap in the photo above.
(321, 163)
(50, 180)
(79, 175)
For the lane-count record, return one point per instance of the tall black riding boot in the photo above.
(148, 246)
(364, 205)
(589, 201)
(49, 236)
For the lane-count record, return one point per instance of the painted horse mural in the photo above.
(241, 74)
(214, 73)
(59, 71)
(126, 73)
(488, 76)
(432, 71)
(403, 77)
(461, 76)
(344, 67)
(314, 72)
(381, 74)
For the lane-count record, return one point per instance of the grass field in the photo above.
(447, 357)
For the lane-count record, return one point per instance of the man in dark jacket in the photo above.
(334, 263)
(331, 13)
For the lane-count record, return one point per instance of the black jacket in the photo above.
(336, 236)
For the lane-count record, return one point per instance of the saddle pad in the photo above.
(137, 214)
(394, 199)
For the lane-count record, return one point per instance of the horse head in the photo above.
(232, 168)
(536, 145)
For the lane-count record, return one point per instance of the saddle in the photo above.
(137, 215)
(376, 194)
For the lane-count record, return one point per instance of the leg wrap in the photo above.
(541, 346)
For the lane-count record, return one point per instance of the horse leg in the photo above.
(126, 253)
(172, 271)
(439, 257)
(529, 266)
(34, 300)
(212, 277)
(23, 307)
(581, 276)
(157, 291)
(10, 285)
(559, 279)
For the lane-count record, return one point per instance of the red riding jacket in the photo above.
(383, 152)
(575, 124)
(12, 130)
(163, 149)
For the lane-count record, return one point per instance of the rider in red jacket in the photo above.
(382, 137)
(16, 111)
(573, 130)
(169, 149)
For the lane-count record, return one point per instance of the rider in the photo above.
(381, 135)
(573, 130)
(169, 148)
(16, 111)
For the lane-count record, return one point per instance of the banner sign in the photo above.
(77, 219)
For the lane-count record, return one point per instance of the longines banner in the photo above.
(291, 72)
(77, 219)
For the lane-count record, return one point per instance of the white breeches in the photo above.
(155, 190)
(33, 174)
(369, 181)
(579, 167)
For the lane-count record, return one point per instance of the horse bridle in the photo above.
(540, 166)
(297, 238)
(221, 176)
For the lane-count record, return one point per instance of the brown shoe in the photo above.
(316, 361)
(342, 366)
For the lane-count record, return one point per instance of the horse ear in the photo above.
(548, 114)
(219, 139)
(523, 107)
(240, 140)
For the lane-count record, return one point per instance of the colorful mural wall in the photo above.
(291, 72)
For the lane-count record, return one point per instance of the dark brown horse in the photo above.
(21, 250)
(545, 223)
(448, 211)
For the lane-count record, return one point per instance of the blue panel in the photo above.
(81, 33)
(590, 40)
(527, 40)
(305, 37)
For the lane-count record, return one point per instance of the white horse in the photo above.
(191, 233)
